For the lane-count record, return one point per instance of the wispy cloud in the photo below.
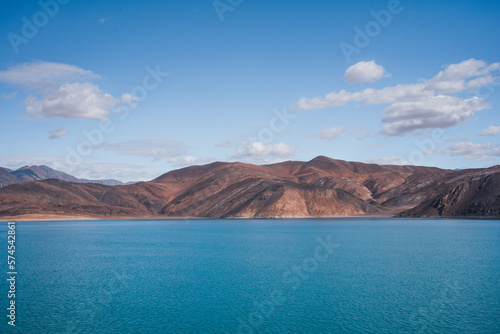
(156, 148)
(187, 161)
(258, 152)
(124, 172)
(225, 143)
(473, 151)
(58, 132)
(491, 131)
(424, 105)
(388, 161)
(332, 133)
(9, 96)
(40, 74)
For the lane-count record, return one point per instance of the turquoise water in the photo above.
(255, 276)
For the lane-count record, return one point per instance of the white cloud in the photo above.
(75, 100)
(388, 161)
(364, 71)
(473, 151)
(259, 149)
(62, 90)
(157, 148)
(58, 132)
(491, 130)
(440, 111)
(128, 99)
(187, 161)
(331, 133)
(9, 96)
(369, 95)
(453, 78)
(411, 105)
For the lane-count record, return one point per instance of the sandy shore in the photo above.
(38, 217)
(43, 217)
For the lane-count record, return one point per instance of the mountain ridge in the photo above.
(321, 187)
(42, 172)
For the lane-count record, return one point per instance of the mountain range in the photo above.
(322, 187)
(37, 173)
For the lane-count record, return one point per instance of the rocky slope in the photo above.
(322, 187)
(477, 196)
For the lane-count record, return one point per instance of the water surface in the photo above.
(256, 276)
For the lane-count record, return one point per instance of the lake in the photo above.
(255, 276)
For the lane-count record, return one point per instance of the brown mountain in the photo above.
(322, 187)
(6, 177)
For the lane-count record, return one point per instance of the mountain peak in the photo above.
(321, 158)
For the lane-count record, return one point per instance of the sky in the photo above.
(130, 90)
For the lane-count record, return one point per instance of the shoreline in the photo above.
(390, 213)
(54, 218)
(86, 218)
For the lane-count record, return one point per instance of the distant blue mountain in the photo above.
(42, 172)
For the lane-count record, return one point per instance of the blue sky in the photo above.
(130, 90)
